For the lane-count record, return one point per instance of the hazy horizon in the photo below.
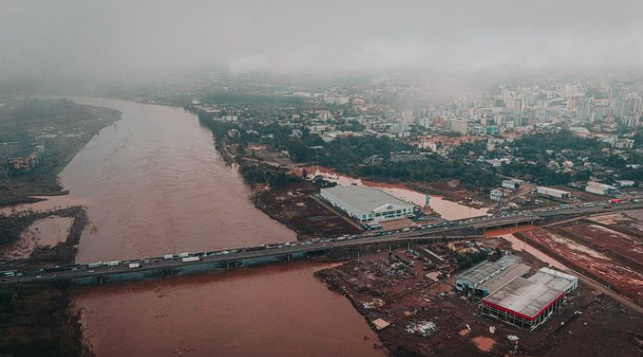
(119, 38)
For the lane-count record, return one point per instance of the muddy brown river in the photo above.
(154, 184)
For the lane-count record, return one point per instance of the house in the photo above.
(496, 194)
(25, 159)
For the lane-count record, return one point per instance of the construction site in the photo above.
(483, 297)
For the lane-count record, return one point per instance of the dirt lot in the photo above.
(404, 296)
(610, 242)
(609, 270)
(293, 206)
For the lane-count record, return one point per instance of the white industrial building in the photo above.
(552, 192)
(599, 188)
(512, 184)
(367, 204)
(625, 183)
(527, 303)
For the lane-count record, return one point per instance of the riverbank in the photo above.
(37, 320)
(294, 206)
(284, 197)
(42, 256)
(62, 128)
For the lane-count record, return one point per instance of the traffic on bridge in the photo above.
(232, 258)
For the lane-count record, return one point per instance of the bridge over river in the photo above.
(177, 264)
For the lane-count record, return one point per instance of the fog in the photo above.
(117, 38)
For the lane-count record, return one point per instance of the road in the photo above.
(288, 249)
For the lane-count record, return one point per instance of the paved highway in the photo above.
(172, 261)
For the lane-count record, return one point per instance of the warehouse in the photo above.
(552, 192)
(599, 188)
(367, 204)
(473, 280)
(526, 303)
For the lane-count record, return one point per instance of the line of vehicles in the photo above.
(196, 257)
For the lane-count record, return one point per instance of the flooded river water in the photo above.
(154, 184)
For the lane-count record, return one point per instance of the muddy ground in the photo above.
(293, 206)
(35, 320)
(618, 245)
(588, 324)
(609, 269)
(41, 257)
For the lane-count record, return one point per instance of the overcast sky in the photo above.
(112, 37)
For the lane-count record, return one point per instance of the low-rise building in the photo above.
(552, 192)
(512, 184)
(527, 303)
(367, 204)
(496, 194)
(25, 159)
(599, 188)
(625, 183)
(474, 277)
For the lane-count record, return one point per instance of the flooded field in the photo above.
(46, 232)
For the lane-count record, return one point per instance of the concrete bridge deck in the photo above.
(226, 259)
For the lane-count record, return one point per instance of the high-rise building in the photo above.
(584, 108)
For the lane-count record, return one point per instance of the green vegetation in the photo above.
(258, 174)
(61, 127)
(539, 173)
(472, 176)
(539, 149)
(535, 147)
(364, 156)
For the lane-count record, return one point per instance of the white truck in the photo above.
(134, 265)
(190, 259)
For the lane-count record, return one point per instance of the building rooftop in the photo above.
(508, 275)
(551, 189)
(524, 297)
(364, 199)
(487, 269)
(554, 279)
(380, 324)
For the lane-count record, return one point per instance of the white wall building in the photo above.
(599, 188)
(552, 192)
(367, 204)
